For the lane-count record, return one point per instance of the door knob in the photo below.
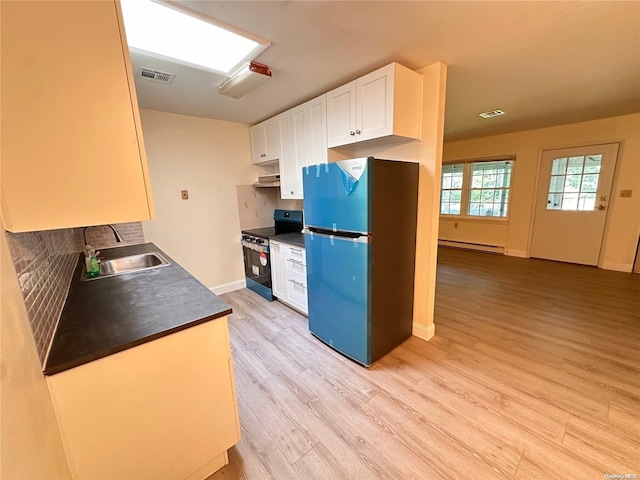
(602, 206)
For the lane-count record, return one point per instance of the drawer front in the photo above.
(294, 264)
(294, 252)
(296, 287)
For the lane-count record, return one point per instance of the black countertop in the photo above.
(295, 238)
(105, 316)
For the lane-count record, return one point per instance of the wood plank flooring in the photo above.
(534, 373)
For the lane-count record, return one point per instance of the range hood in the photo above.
(269, 180)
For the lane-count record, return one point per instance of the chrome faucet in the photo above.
(113, 229)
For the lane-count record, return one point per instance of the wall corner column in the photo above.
(433, 105)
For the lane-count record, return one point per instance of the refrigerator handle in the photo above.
(343, 236)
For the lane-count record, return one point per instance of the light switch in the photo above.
(184, 194)
(625, 193)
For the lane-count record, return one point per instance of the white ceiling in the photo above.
(543, 63)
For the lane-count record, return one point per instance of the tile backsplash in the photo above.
(256, 206)
(44, 263)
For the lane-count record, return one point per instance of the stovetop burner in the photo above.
(286, 221)
(261, 232)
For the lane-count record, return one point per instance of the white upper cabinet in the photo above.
(341, 110)
(287, 159)
(384, 106)
(304, 142)
(316, 111)
(72, 149)
(265, 141)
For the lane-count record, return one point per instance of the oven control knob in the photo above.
(259, 240)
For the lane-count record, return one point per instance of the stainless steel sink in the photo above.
(129, 264)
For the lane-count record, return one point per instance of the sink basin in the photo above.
(129, 264)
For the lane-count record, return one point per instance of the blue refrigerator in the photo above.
(360, 240)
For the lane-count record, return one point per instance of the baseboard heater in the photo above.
(472, 246)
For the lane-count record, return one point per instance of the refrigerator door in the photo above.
(339, 279)
(336, 195)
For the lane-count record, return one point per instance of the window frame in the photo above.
(466, 189)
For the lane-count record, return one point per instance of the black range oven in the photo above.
(255, 249)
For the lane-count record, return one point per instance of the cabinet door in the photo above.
(341, 115)
(162, 409)
(287, 158)
(297, 291)
(317, 132)
(258, 146)
(299, 124)
(272, 139)
(374, 104)
(295, 276)
(70, 121)
(277, 270)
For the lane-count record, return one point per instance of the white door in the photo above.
(574, 193)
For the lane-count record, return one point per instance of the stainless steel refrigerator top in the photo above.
(360, 244)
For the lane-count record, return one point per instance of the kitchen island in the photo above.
(141, 377)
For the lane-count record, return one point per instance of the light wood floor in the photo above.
(534, 373)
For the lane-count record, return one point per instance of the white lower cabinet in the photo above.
(289, 275)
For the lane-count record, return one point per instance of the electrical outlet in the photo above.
(626, 193)
(184, 194)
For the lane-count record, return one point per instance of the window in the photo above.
(574, 183)
(451, 192)
(478, 188)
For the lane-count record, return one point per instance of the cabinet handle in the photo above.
(358, 132)
(297, 262)
(263, 154)
(352, 133)
(296, 250)
(300, 284)
(291, 192)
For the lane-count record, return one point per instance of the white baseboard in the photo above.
(516, 253)
(618, 267)
(425, 332)
(229, 287)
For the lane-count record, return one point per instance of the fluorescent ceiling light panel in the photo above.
(166, 31)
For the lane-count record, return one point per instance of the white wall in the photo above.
(208, 158)
(623, 221)
(31, 443)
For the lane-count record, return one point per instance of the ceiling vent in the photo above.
(248, 78)
(156, 76)
(492, 113)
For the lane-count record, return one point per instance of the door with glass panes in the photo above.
(574, 193)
